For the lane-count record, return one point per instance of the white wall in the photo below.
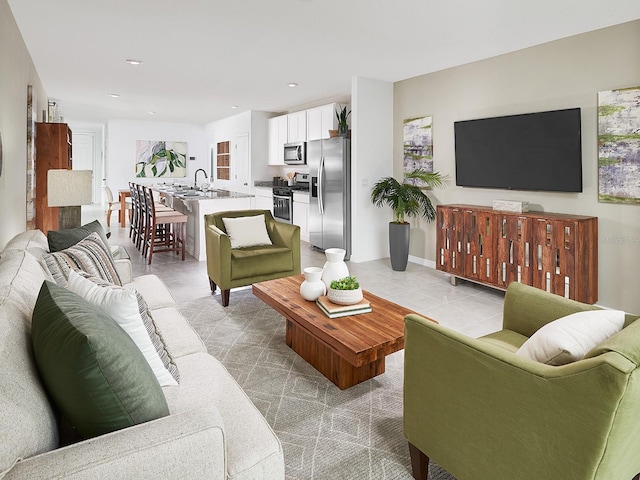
(562, 74)
(16, 72)
(256, 125)
(121, 136)
(371, 155)
(97, 132)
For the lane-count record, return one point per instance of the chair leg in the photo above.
(213, 286)
(419, 463)
(108, 217)
(183, 238)
(225, 297)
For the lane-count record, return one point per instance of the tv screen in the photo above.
(532, 151)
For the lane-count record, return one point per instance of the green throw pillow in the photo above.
(61, 239)
(93, 371)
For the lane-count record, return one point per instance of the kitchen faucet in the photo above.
(195, 177)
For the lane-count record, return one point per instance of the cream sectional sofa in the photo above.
(213, 430)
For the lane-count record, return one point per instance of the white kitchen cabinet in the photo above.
(320, 120)
(301, 214)
(263, 199)
(278, 136)
(297, 127)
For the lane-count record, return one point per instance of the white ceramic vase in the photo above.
(312, 287)
(334, 268)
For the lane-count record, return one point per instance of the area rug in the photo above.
(326, 433)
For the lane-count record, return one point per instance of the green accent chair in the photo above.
(229, 268)
(484, 413)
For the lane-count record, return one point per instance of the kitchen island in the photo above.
(196, 204)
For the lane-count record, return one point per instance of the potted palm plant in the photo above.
(409, 200)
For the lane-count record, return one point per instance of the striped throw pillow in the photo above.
(90, 255)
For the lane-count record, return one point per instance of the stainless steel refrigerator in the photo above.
(329, 221)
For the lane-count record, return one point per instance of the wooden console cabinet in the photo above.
(555, 252)
(53, 151)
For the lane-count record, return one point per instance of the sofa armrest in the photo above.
(286, 235)
(527, 309)
(185, 445)
(463, 394)
(218, 253)
(283, 234)
(123, 267)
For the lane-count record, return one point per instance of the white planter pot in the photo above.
(345, 297)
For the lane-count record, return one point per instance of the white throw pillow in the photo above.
(121, 304)
(569, 338)
(247, 231)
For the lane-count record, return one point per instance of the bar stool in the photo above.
(165, 228)
(134, 226)
(143, 216)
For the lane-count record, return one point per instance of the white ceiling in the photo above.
(203, 56)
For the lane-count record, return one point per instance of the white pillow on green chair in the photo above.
(569, 338)
(247, 231)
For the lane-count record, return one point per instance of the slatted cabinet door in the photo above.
(480, 245)
(558, 244)
(450, 256)
(514, 249)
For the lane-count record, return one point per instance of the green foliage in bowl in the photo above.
(346, 283)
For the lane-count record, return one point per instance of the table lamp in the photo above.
(69, 189)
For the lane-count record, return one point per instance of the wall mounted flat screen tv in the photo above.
(532, 151)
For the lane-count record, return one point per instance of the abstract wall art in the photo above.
(31, 158)
(418, 145)
(161, 159)
(619, 146)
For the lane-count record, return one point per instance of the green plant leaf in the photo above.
(406, 199)
(346, 283)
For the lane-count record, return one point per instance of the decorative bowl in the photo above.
(345, 297)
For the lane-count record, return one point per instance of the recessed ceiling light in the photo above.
(234, 106)
(114, 95)
(292, 84)
(132, 61)
(151, 112)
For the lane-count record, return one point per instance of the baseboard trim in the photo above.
(422, 261)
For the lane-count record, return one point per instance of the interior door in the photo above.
(84, 158)
(243, 166)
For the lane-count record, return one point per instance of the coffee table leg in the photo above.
(326, 361)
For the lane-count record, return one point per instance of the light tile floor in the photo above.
(468, 308)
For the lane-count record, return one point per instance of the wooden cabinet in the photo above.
(305, 125)
(263, 199)
(223, 161)
(278, 134)
(555, 252)
(53, 151)
(449, 240)
(301, 214)
(479, 239)
(514, 249)
(297, 127)
(320, 120)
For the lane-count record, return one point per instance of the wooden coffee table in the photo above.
(346, 350)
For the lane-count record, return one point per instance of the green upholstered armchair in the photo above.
(484, 413)
(229, 268)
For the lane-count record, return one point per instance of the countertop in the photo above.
(200, 195)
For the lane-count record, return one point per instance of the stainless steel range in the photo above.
(283, 198)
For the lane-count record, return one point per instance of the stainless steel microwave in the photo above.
(295, 153)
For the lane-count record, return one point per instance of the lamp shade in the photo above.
(66, 188)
